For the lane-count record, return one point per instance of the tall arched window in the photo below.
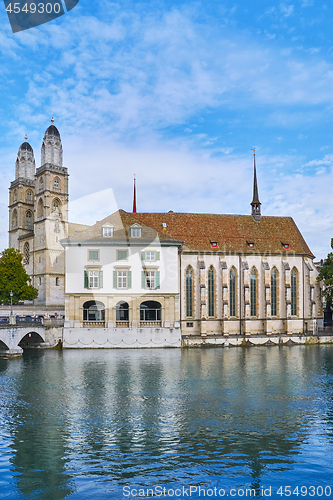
(29, 195)
(189, 291)
(253, 291)
(122, 311)
(14, 219)
(56, 205)
(232, 292)
(56, 184)
(41, 183)
(27, 253)
(28, 219)
(273, 292)
(40, 208)
(211, 291)
(293, 290)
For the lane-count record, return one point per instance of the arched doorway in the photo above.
(94, 311)
(150, 312)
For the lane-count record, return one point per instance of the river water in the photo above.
(110, 424)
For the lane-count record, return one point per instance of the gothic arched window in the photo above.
(273, 292)
(28, 219)
(253, 291)
(189, 291)
(29, 195)
(293, 286)
(40, 208)
(27, 252)
(14, 219)
(232, 292)
(56, 184)
(211, 291)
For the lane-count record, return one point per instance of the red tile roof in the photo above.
(233, 233)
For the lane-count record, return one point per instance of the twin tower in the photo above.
(38, 216)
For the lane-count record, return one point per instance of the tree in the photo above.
(13, 277)
(326, 275)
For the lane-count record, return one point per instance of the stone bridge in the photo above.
(15, 338)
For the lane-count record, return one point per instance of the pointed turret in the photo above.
(256, 211)
(25, 163)
(52, 147)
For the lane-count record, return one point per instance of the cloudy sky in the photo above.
(178, 93)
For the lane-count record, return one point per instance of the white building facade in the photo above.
(122, 286)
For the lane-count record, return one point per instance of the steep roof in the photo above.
(121, 222)
(232, 233)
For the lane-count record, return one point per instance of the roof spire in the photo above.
(134, 197)
(256, 211)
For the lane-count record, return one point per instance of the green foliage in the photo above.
(326, 274)
(13, 277)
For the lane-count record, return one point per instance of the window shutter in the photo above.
(157, 279)
(143, 279)
(129, 279)
(86, 279)
(115, 279)
(101, 279)
(143, 255)
(157, 255)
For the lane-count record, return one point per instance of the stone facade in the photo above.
(38, 216)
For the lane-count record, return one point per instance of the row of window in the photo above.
(29, 193)
(151, 255)
(211, 293)
(150, 310)
(122, 279)
(29, 216)
(108, 229)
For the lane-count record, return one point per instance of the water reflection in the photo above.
(85, 423)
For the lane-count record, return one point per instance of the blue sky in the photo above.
(179, 93)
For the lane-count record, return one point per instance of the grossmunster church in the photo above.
(152, 279)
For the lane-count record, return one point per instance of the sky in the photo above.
(178, 93)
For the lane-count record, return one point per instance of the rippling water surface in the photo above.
(105, 424)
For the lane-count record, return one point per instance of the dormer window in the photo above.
(136, 231)
(251, 244)
(286, 246)
(214, 244)
(107, 231)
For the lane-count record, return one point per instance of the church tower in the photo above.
(256, 210)
(21, 196)
(38, 216)
(51, 220)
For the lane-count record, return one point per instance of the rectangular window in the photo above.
(122, 254)
(122, 279)
(93, 254)
(150, 255)
(93, 278)
(151, 280)
(135, 232)
(107, 232)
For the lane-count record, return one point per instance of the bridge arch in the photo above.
(30, 339)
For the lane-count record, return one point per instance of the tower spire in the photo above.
(256, 211)
(134, 197)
